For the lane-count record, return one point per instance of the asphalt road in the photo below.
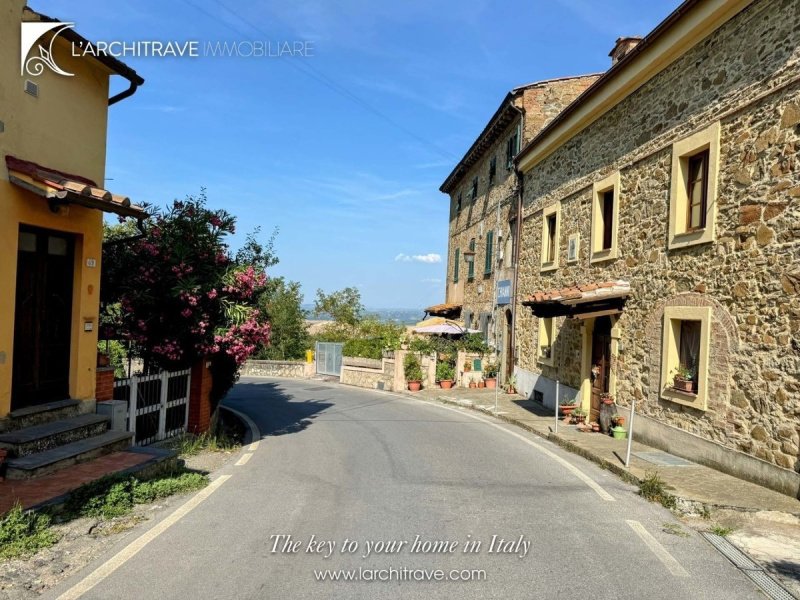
(339, 463)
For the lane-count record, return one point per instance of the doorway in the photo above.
(42, 317)
(508, 370)
(601, 363)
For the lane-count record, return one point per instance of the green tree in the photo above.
(344, 306)
(280, 303)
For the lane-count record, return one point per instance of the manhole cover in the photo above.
(663, 459)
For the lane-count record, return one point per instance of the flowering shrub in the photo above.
(183, 296)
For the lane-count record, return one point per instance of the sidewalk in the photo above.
(690, 483)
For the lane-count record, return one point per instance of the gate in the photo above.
(329, 358)
(158, 404)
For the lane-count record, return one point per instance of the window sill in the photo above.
(603, 255)
(690, 399)
(548, 266)
(684, 239)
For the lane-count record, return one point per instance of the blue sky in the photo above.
(344, 150)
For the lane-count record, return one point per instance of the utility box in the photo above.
(116, 411)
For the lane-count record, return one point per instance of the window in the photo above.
(546, 339)
(467, 319)
(512, 148)
(572, 247)
(685, 354)
(484, 319)
(550, 234)
(471, 259)
(487, 267)
(693, 188)
(697, 191)
(458, 203)
(605, 218)
(511, 243)
(492, 169)
(455, 265)
(474, 188)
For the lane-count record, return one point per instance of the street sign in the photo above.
(503, 292)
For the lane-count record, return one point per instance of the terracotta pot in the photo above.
(566, 409)
(414, 386)
(684, 385)
(446, 384)
(595, 427)
(473, 384)
(103, 360)
(620, 421)
(511, 390)
(481, 384)
(491, 382)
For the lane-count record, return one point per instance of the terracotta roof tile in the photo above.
(588, 291)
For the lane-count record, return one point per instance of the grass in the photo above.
(191, 445)
(653, 488)
(674, 529)
(721, 530)
(115, 496)
(24, 533)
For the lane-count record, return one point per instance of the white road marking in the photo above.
(661, 553)
(244, 459)
(135, 546)
(566, 464)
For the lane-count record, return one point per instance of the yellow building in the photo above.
(53, 147)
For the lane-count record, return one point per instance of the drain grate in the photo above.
(749, 567)
(663, 459)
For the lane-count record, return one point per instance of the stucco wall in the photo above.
(296, 369)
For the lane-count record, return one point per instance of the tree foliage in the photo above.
(280, 302)
(178, 295)
(344, 306)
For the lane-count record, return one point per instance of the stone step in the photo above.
(38, 438)
(52, 460)
(41, 413)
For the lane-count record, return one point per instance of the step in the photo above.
(61, 457)
(41, 413)
(38, 438)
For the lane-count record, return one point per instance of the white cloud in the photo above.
(430, 280)
(429, 258)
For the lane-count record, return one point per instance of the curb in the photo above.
(253, 432)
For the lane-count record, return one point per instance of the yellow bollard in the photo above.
(309, 356)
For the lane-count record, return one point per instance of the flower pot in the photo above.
(473, 384)
(414, 386)
(579, 419)
(103, 360)
(619, 433)
(481, 384)
(446, 384)
(491, 382)
(619, 421)
(511, 390)
(596, 427)
(683, 385)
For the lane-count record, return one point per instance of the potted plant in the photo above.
(467, 366)
(606, 398)
(413, 371)
(473, 383)
(579, 415)
(567, 405)
(683, 380)
(619, 433)
(595, 426)
(481, 383)
(444, 374)
(490, 375)
(618, 420)
(103, 359)
(511, 386)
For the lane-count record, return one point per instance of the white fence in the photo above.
(158, 405)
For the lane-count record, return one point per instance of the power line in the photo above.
(323, 79)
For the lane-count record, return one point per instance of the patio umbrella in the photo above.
(440, 326)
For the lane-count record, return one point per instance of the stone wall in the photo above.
(368, 373)
(296, 369)
(744, 76)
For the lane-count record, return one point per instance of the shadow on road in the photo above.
(274, 410)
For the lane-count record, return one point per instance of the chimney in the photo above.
(623, 46)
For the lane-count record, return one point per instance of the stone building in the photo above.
(661, 237)
(484, 198)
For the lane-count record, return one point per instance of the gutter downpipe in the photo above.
(517, 246)
(135, 82)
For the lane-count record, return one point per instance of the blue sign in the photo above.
(504, 292)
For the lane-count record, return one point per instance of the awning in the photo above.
(440, 326)
(444, 310)
(62, 188)
(580, 301)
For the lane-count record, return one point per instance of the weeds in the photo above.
(24, 533)
(116, 496)
(190, 445)
(653, 488)
(721, 531)
(674, 529)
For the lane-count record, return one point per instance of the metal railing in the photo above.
(158, 404)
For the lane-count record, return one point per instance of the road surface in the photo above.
(442, 502)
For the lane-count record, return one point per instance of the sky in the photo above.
(343, 149)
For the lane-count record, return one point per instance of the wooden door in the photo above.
(509, 350)
(42, 318)
(601, 363)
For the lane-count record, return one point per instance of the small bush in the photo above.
(721, 530)
(24, 533)
(654, 489)
(444, 371)
(189, 444)
(367, 348)
(412, 368)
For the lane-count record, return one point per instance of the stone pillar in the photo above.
(104, 384)
(399, 371)
(200, 397)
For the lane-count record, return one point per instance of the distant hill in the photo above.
(402, 316)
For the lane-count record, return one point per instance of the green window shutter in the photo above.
(455, 266)
(471, 270)
(489, 243)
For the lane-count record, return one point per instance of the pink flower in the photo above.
(186, 313)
